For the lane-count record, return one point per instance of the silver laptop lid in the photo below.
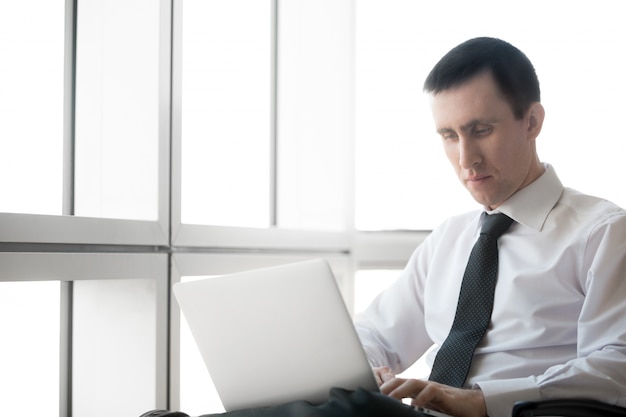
(275, 335)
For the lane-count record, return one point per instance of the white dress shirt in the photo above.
(558, 327)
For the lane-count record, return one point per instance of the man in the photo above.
(557, 326)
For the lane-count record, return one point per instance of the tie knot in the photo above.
(495, 224)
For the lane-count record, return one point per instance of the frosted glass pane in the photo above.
(403, 179)
(117, 103)
(29, 352)
(315, 115)
(31, 106)
(114, 347)
(226, 102)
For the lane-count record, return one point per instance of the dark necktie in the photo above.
(474, 307)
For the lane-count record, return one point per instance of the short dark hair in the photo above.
(511, 69)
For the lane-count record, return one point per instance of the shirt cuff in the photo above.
(501, 395)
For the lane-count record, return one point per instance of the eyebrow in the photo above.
(467, 126)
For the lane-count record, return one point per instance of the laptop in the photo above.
(275, 335)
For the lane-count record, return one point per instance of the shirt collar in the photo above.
(531, 205)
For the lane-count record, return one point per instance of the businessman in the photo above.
(524, 299)
(543, 314)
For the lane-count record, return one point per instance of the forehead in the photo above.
(479, 98)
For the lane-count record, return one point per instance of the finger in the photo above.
(440, 398)
(429, 396)
(383, 374)
(391, 385)
(387, 375)
(404, 388)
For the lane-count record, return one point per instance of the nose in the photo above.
(469, 153)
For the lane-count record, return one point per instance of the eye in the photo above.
(482, 131)
(448, 136)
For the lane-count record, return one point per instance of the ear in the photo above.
(536, 114)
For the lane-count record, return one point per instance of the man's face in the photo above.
(491, 151)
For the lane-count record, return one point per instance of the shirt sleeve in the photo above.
(392, 328)
(599, 370)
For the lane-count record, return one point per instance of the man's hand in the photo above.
(454, 401)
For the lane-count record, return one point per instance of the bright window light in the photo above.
(226, 104)
(315, 115)
(31, 106)
(114, 333)
(117, 109)
(29, 352)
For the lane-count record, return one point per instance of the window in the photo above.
(54, 268)
(241, 166)
(115, 304)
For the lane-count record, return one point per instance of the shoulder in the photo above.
(588, 210)
(596, 226)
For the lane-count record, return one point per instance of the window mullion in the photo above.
(69, 112)
(274, 117)
(69, 107)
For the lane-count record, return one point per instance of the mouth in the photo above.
(476, 178)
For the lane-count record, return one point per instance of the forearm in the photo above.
(601, 376)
